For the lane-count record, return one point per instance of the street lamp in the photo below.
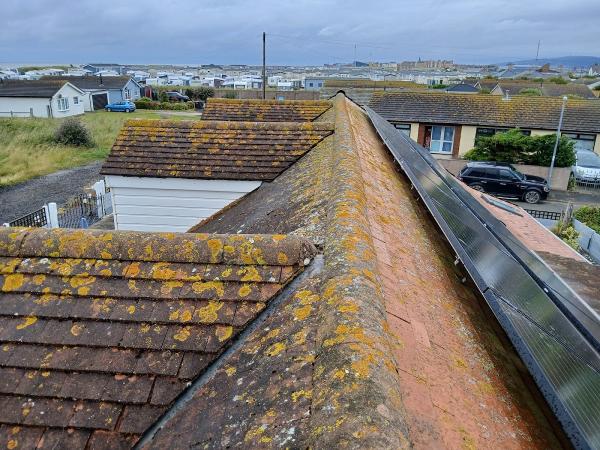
(562, 112)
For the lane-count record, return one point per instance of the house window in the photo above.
(403, 128)
(486, 132)
(310, 84)
(63, 104)
(76, 100)
(582, 141)
(441, 139)
(127, 94)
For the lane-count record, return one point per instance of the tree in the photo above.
(515, 147)
(200, 93)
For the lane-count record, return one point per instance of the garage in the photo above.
(99, 101)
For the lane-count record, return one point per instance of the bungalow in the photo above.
(101, 90)
(40, 98)
(448, 124)
(167, 176)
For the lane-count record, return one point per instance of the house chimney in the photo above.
(507, 94)
(101, 82)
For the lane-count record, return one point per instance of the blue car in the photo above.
(125, 106)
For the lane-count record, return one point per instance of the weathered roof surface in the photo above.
(363, 352)
(92, 82)
(101, 331)
(264, 110)
(372, 84)
(487, 110)
(30, 88)
(211, 150)
(550, 89)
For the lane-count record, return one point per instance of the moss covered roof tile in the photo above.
(211, 149)
(102, 330)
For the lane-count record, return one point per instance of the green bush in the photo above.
(569, 235)
(516, 148)
(163, 97)
(230, 94)
(72, 132)
(200, 93)
(590, 215)
(558, 80)
(146, 103)
(531, 92)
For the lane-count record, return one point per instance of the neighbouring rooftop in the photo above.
(30, 88)
(211, 149)
(491, 110)
(264, 110)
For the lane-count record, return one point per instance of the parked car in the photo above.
(587, 167)
(125, 106)
(177, 97)
(503, 180)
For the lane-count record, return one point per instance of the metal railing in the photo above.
(80, 211)
(587, 186)
(550, 215)
(37, 218)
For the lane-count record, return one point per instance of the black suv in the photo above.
(504, 180)
(177, 97)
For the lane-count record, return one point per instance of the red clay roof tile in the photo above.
(211, 150)
(264, 110)
(103, 330)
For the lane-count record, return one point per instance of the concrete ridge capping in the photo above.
(240, 249)
(225, 125)
(365, 410)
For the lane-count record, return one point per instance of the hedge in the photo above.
(589, 215)
(516, 148)
(146, 103)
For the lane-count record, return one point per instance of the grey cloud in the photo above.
(302, 32)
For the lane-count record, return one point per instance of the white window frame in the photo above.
(580, 138)
(127, 94)
(63, 104)
(76, 100)
(404, 128)
(442, 141)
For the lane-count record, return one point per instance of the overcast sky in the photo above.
(298, 32)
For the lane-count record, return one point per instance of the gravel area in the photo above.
(23, 198)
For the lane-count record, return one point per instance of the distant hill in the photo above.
(567, 61)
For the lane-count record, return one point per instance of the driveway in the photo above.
(21, 199)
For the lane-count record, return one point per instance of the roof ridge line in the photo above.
(356, 335)
(187, 395)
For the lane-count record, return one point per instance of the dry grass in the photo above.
(27, 149)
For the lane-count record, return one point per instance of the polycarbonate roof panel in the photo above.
(554, 331)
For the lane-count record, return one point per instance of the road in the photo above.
(558, 201)
(23, 198)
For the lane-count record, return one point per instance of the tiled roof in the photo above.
(92, 82)
(211, 150)
(487, 110)
(362, 353)
(30, 88)
(549, 89)
(264, 110)
(372, 84)
(101, 331)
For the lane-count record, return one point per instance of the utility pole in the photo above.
(355, 55)
(537, 54)
(264, 68)
(562, 112)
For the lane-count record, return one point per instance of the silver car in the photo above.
(587, 167)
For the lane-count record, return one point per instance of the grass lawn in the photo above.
(27, 149)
